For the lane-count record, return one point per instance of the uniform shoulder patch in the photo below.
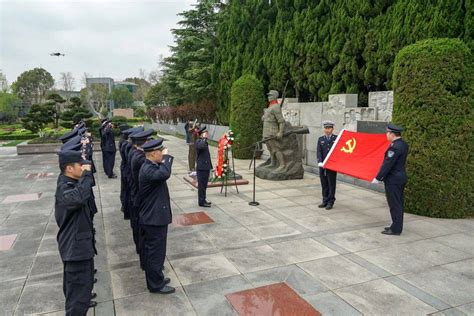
(390, 153)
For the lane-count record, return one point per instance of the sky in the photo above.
(103, 38)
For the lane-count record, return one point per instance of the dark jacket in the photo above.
(324, 146)
(392, 170)
(138, 158)
(130, 182)
(155, 206)
(109, 140)
(73, 217)
(203, 159)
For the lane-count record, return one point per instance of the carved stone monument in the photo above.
(289, 165)
(383, 102)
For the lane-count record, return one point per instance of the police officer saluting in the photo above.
(393, 174)
(75, 236)
(327, 177)
(109, 149)
(155, 213)
(203, 166)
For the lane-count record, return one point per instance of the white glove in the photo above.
(375, 181)
(320, 164)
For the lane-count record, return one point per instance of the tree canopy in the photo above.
(32, 86)
(321, 47)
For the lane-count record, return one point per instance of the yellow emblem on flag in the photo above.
(351, 144)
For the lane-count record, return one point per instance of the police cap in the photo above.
(394, 128)
(71, 156)
(123, 127)
(142, 135)
(68, 136)
(328, 123)
(152, 145)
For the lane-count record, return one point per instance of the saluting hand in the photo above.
(165, 151)
(86, 167)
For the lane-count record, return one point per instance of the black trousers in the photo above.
(77, 286)
(123, 186)
(328, 185)
(127, 199)
(154, 247)
(203, 178)
(109, 162)
(394, 194)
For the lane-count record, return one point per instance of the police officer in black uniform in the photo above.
(109, 150)
(75, 236)
(392, 173)
(327, 177)
(125, 169)
(155, 213)
(203, 166)
(137, 160)
(122, 141)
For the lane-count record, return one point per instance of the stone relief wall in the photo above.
(343, 110)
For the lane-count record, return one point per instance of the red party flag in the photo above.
(358, 155)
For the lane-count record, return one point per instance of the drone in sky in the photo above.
(56, 54)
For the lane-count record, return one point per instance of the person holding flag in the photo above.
(327, 177)
(392, 173)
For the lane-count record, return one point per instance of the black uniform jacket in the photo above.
(109, 140)
(138, 158)
(155, 207)
(203, 159)
(324, 146)
(73, 217)
(392, 170)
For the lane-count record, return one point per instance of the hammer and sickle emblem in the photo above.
(351, 144)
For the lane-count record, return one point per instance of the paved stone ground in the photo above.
(336, 260)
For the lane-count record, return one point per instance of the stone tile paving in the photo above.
(336, 260)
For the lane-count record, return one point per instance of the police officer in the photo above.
(75, 240)
(155, 213)
(109, 149)
(392, 173)
(191, 136)
(203, 166)
(126, 148)
(136, 161)
(123, 140)
(327, 177)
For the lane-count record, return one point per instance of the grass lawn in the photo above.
(13, 143)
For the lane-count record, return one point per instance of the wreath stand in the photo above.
(225, 179)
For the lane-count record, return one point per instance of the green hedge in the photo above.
(247, 105)
(433, 88)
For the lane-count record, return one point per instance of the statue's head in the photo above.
(272, 95)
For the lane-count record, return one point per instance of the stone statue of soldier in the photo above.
(285, 161)
(273, 126)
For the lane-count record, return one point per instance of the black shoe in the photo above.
(164, 290)
(329, 206)
(95, 271)
(386, 228)
(93, 295)
(112, 176)
(390, 232)
(166, 280)
(208, 202)
(205, 205)
(92, 304)
(95, 280)
(322, 205)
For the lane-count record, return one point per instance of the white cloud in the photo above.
(102, 38)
